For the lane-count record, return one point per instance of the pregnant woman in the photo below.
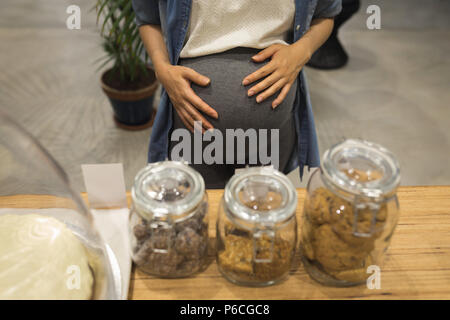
(234, 65)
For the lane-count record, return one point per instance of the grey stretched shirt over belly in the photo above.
(228, 97)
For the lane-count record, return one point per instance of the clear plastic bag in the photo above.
(49, 246)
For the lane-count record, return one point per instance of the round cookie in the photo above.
(317, 206)
(354, 275)
(334, 253)
(343, 222)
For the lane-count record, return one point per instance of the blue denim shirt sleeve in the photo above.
(147, 11)
(327, 8)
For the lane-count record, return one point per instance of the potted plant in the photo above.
(130, 83)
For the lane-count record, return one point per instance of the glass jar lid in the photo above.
(361, 168)
(261, 196)
(167, 188)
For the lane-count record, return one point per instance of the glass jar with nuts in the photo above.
(168, 221)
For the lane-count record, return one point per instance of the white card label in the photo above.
(105, 185)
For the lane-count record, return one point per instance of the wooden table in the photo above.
(417, 265)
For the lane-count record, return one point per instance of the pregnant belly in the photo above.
(228, 96)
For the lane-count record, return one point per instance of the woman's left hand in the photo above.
(280, 73)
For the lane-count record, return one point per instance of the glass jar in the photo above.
(350, 213)
(257, 227)
(50, 247)
(168, 220)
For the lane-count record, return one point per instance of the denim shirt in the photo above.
(173, 16)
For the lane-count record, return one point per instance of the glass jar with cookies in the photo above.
(350, 213)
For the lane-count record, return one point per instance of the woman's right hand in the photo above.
(177, 82)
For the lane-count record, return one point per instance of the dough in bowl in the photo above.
(40, 258)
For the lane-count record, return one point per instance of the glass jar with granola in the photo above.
(257, 227)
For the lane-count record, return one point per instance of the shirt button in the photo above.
(297, 27)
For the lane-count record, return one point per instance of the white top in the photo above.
(218, 25)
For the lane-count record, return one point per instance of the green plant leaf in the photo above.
(121, 39)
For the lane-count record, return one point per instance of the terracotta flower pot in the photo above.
(133, 109)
